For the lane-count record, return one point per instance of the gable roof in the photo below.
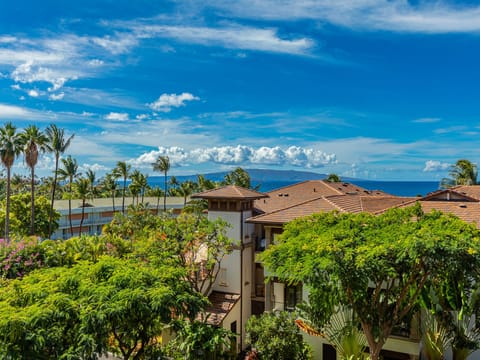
(231, 192)
(302, 192)
(353, 203)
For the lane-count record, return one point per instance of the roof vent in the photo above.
(351, 193)
(286, 194)
(463, 205)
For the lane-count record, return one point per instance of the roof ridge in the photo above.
(286, 208)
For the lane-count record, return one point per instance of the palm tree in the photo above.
(34, 141)
(69, 172)
(57, 144)
(186, 189)
(83, 191)
(91, 177)
(10, 148)
(464, 172)
(123, 170)
(162, 164)
(158, 193)
(140, 180)
(110, 184)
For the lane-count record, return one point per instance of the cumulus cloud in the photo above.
(166, 102)
(434, 166)
(33, 93)
(13, 111)
(114, 116)
(239, 155)
(94, 167)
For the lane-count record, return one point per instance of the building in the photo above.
(257, 219)
(100, 212)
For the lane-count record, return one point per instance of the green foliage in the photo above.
(238, 177)
(275, 336)
(377, 265)
(198, 340)
(85, 310)
(20, 215)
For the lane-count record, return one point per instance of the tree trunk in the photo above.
(7, 208)
(83, 217)
(32, 199)
(54, 187)
(123, 194)
(70, 207)
(165, 194)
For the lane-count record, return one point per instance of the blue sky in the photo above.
(374, 89)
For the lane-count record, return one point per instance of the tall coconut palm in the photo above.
(122, 170)
(162, 164)
(34, 142)
(69, 172)
(57, 144)
(158, 193)
(82, 191)
(91, 177)
(10, 148)
(140, 180)
(110, 185)
(186, 189)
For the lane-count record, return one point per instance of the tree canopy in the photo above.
(376, 265)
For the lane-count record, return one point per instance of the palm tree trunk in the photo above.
(70, 206)
(165, 194)
(83, 217)
(113, 201)
(32, 199)
(54, 187)
(7, 208)
(123, 194)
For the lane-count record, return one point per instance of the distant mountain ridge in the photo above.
(261, 175)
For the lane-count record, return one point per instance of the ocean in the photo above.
(399, 188)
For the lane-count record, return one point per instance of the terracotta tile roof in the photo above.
(342, 203)
(305, 191)
(282, 216)
(221, 305)
(469, 190)
(467, 211)
(230, 192)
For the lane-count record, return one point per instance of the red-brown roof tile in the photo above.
(305, 191)
(230, 192)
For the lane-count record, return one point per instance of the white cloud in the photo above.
(434, 166)
(120, 43)
(390, 15)
(239, 155)
(427, 120)
(94, 167)
(166, 102)
(117, 116)
(33, 93)
(13, 111)
(231, 37)
(56, 97)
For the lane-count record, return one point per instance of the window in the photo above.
(293, 296)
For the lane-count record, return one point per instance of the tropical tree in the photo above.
(162, 164)
(333, 178)
(57, 144)
(139, 183)
(92, 178)
(156, 192)
(34, 142)
(83, 311)
(205, 184)
(238, 177)
(275, 336)
(376, 265)
(20, 208)
(463, 172)
(186, 189)
(69, 172)
(10, 148)
(122, 170)
(110, 185)
(83, 191)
